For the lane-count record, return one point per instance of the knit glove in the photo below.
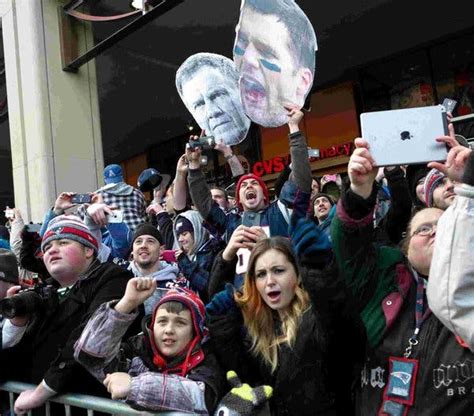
(307, 238)
(222, 302)
(243, 400)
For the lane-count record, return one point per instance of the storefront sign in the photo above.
(278, 163)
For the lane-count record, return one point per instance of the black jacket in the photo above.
(47, 348)
(315, 376)
(391, 228)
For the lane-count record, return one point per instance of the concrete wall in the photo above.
(54, 115)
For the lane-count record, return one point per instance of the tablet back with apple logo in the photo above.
(407, 136)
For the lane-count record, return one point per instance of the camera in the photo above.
(30, 300)
(205, 143)
(313, 152)
(117, 216)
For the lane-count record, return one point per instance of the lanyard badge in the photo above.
(399, 394)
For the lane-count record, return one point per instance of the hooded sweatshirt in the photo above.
(200, 234)
(118, 189)
(196, 266)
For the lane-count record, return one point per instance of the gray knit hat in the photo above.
(69, 227)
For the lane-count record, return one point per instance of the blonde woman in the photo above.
(290, 326)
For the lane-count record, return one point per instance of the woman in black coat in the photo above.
(291, 327)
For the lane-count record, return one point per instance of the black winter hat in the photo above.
(147, 229)
(321, 194)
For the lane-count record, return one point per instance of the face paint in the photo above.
(276, 71)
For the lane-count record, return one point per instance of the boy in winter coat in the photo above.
(168, 367)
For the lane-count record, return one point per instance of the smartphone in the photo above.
(250, 218)
(205, 142)
(81, 199)
(168, 256)
(313, 152)
(33, 228)
(116, 217)
(449, 105)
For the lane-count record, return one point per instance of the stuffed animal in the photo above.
(244, 400)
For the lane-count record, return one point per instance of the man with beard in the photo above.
(251, 192)
(274, 53)
(146, 251)
(438, 190)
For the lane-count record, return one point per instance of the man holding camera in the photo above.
(39, 339)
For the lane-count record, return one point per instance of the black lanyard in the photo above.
(420, 316)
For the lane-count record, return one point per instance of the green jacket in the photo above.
(374, 274)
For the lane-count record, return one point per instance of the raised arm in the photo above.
(232, 160)
(98, 347)
(399, 213)
(362, 266)
(201, 194)
(180, 185)
(301, 170)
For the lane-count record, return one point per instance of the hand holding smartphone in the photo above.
(116, 217)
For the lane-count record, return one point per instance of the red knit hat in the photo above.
(192, 353)
(432, 181)
(266, 197)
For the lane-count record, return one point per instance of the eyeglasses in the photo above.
(425, 229)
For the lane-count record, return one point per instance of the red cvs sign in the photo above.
(278, 163)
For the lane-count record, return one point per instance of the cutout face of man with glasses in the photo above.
(274, 52)
(208, 85)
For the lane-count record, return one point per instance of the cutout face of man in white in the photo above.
(208, 85)
(274, 52)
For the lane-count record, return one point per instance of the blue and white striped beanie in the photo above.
(69, 227)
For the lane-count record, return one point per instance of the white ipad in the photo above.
(407, 136)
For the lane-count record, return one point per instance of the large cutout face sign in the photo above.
(208, 85)
(275, 54)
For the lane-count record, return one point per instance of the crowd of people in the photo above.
(346, 294)
(331, 297)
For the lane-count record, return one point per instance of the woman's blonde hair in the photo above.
(258, 316)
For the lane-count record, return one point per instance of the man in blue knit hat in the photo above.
(116, 193)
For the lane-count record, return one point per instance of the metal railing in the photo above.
(90, 404)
